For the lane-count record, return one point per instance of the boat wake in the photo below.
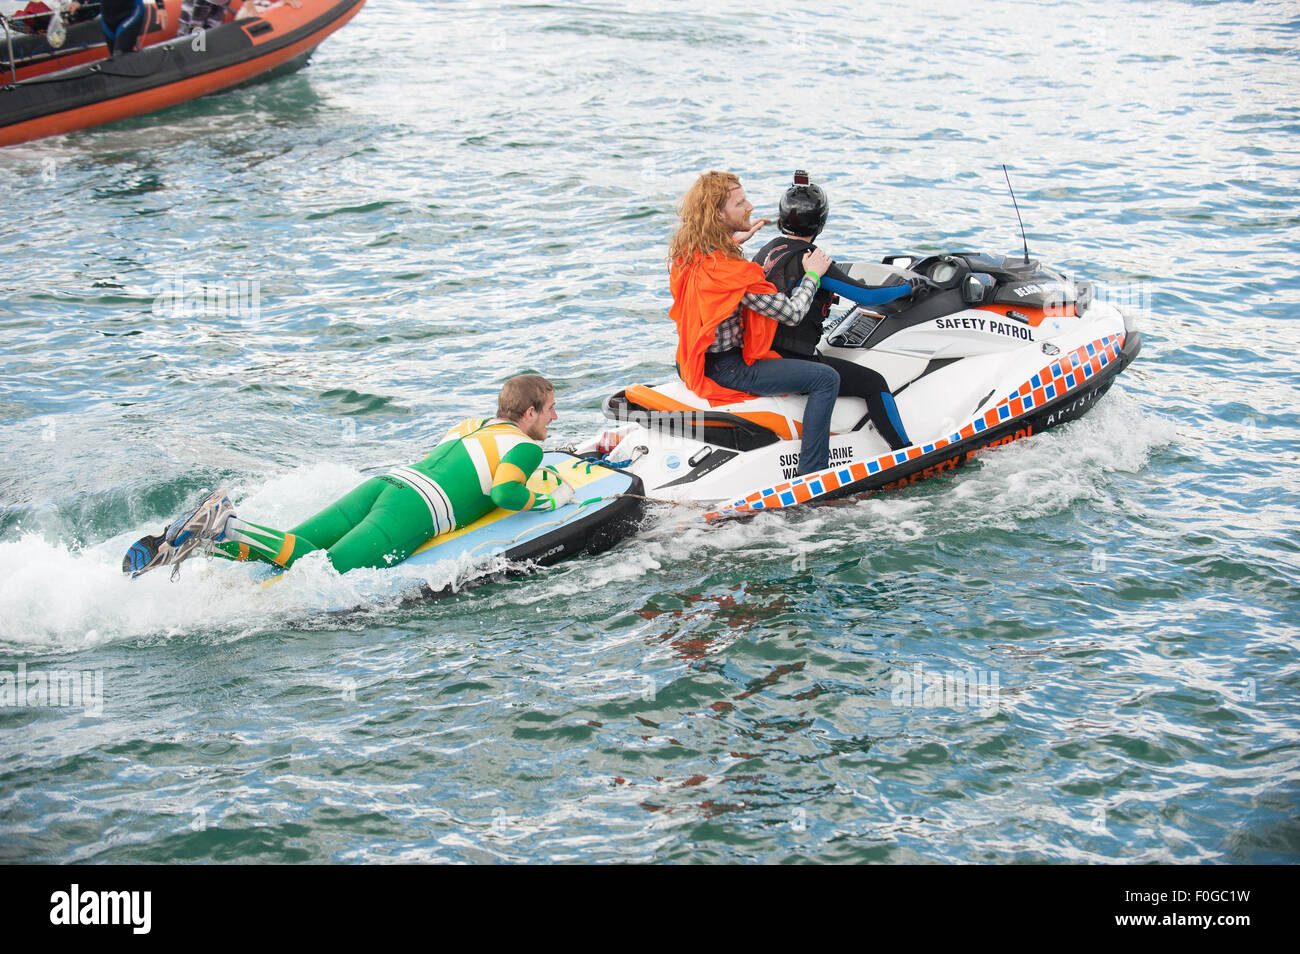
(60, 598)
(1086, 463)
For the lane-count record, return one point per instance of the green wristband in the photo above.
(815, 277)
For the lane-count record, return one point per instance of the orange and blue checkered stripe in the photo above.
(1066, 372)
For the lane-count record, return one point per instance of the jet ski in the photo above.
(987, 350)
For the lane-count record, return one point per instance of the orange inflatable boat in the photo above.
(51, 90)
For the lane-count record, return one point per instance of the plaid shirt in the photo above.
(787, 309)
(202, 15)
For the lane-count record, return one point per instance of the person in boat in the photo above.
(727, 313)
(122, 22)
(801, 218)
(478, 465)
(201, 15)
(26, 16)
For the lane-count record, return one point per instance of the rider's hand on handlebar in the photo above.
(816, 261)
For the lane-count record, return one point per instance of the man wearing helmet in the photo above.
(802, 216)
(727, 313)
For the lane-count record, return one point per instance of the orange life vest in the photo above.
(706, 291)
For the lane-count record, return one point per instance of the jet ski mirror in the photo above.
(977, 288)
(898, 261)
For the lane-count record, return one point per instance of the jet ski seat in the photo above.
(678, 397)
(675, 409)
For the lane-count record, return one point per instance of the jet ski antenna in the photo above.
(1018, 218)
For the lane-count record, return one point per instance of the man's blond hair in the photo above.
(522, 392)
(700, 229)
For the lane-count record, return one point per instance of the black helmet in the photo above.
(803, 207)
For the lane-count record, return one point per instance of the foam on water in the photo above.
(59, 598)
(1034, 477)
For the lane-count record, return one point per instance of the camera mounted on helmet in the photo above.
(804, 208)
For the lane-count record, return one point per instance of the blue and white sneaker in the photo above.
(206, 522)
(187, 535)
(143, 555)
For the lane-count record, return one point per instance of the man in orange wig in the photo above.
(726, 313)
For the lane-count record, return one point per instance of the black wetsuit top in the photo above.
(115, 11)
(782, 263)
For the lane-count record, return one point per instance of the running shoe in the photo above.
(141, 555)
(207, 521)
(196, 531)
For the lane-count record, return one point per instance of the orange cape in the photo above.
(706, 291)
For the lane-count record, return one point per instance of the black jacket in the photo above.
(782, 262)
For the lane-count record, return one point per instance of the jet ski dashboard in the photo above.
(953, 282)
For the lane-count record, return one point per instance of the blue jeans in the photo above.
(786, 376)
